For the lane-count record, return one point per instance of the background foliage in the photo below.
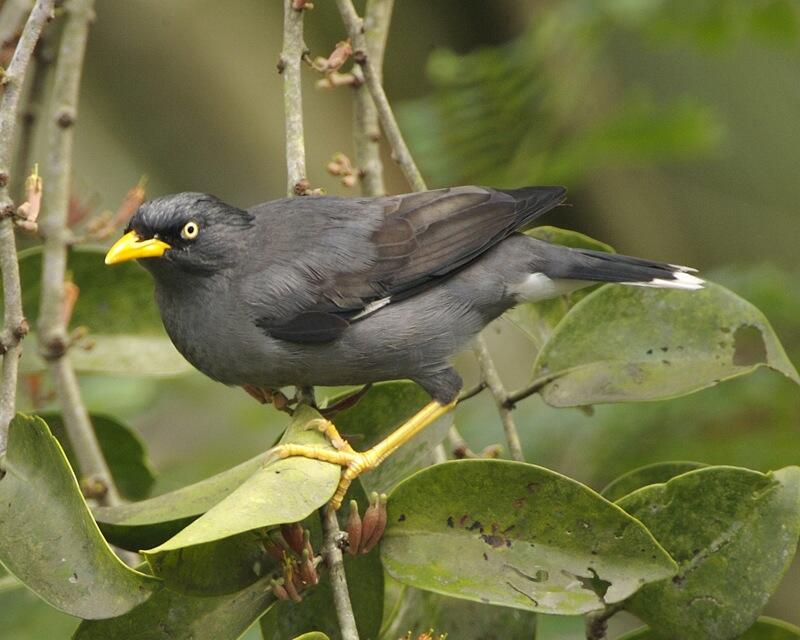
(654, 114)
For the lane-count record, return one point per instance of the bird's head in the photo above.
(183, 233)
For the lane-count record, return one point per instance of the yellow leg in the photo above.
(355, 462)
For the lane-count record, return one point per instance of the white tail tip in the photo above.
(682, 279)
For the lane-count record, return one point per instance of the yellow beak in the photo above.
(129, 247)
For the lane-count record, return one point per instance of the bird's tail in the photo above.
(597, 266)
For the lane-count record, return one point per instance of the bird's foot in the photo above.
(355, 463)
(326, 427)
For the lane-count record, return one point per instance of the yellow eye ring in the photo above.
(190, 230)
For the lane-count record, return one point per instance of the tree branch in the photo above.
(29, 113)
(361, 55)
(53, 338)
(289, 66)
(332, 554)
(14, 325)
(499, 394)
(366, 128)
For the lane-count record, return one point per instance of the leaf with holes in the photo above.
(48, 539)
(116, 305)
(516, 535)
(382, 409)
(122, 448)
(622, 344)
(278, 491)
(733, 533)
(649, 474)
(539, 319)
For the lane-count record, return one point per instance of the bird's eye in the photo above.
(190, 230)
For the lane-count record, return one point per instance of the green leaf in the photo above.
(313, 635)
(539, 319)
(180, 617)
(317, 611)
(47, 536)
(117, 306)
(27, 617)
(568, 238)
(516, 535)
(419, 611)
(146, 524)
(215, 568)
(649, 474)
(122, 448)
(733, 533)
(279, 491)
(765, 628)
(382, 409)
(631, 343)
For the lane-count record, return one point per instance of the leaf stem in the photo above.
(597, 623)
(366, 127)
(372, 79)
(498, 391)
(290, 66)
(14, 325)
(53, 338)
(332, 554)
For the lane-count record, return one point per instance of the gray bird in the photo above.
(344, 291)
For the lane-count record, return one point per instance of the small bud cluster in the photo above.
(291, 547)
(340, 165)
(108, 223)
(329, 67)
(28, 212)
(364, 534)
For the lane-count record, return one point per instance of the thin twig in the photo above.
(29, 112)
(14, 325)
(499, 394)
(513, 398)
(361, 55)
(332, 553)
(53, 338)
(366, 127)
(290, 65)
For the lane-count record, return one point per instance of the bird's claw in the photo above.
(325, 426)
(354, 463)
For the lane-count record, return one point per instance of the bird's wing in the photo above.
(389, 248)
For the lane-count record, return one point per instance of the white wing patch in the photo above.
(538, 286)
(372, 307)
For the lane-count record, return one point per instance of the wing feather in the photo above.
(416, 239)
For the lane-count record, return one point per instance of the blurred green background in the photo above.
(672, 122)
